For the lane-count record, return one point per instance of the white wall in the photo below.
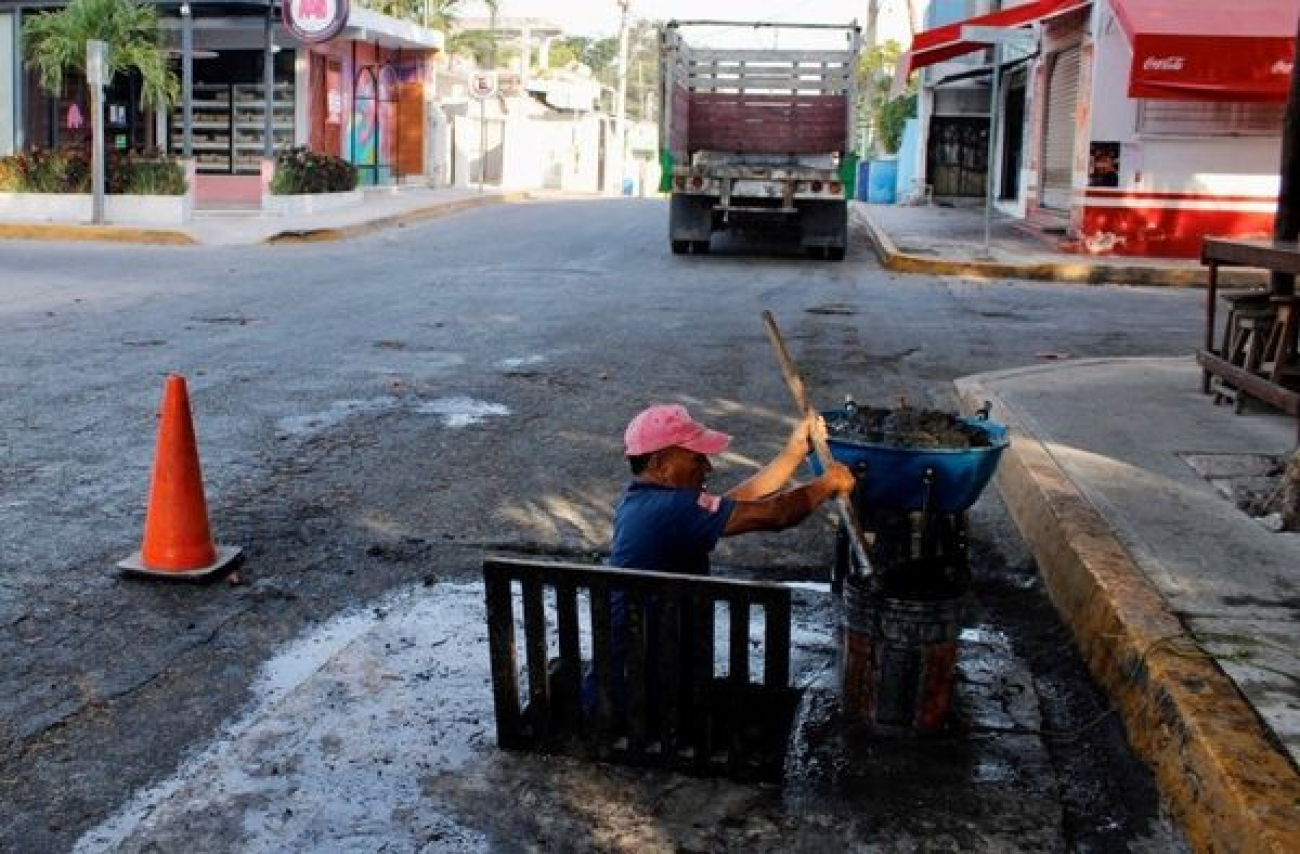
(559, 153)
(7, 104)
(1207, 164)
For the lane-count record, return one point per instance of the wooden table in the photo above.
(1276, 256)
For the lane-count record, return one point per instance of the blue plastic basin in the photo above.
(895, 477)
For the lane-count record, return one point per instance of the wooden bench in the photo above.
(1270, 379)
(671, 709)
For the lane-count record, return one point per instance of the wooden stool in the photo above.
(1247, 331)
(1280, 346)
(1247, 303)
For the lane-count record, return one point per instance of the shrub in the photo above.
(301, 170)
(51, 170)
(146, 173)
(68, 170)
(156, 178)
(9, 179)
(892, 118)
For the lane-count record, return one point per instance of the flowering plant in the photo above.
(67, 169)
(301, 170)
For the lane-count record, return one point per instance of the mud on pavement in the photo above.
(375, 732)
(143, 717)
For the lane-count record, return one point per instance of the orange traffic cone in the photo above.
(177, 541)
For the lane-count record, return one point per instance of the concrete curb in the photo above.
(1079, 272)
(99, 233)
(1227, 783)
(434, 211)
(176, 237)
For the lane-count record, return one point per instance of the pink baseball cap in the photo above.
(669, 424)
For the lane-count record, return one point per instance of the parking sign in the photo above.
(483, 84)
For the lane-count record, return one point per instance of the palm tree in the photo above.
(56, 43)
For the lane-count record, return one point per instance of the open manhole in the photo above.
(1253, 482)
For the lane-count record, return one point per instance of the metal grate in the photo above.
(665, 706)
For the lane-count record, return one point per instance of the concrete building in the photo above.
(1131, 127)
(257, 75)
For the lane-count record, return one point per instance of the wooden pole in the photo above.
(1286, 226)
(792, 378)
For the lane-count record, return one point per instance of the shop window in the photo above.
(961, 101)
(1208, 118)
(65, 120)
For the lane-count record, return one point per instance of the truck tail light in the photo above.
(836, 187)
(696, 182)
(680, 182)
(816, 186)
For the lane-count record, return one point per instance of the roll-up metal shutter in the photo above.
(1058, 134)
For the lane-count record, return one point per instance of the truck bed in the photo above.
(790, 102)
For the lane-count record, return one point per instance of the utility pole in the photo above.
(1286, 225)
(873, 77)
(620, 92)
(98, 76)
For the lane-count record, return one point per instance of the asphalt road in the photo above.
(375, 415)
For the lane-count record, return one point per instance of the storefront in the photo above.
(253, 82)
(367, 95)
(1185, 128)
(1147, 124)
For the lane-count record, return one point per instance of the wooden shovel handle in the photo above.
(792, 378)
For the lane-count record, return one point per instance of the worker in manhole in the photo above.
(669, 521)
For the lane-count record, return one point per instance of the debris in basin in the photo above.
(904, 427)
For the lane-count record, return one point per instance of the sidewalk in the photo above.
(949, 241)
(381, 208)
(1184, 607)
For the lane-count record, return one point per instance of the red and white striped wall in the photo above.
(1166, 224)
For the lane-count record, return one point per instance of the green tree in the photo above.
(642, 69)
(56, 44)
(565, 51)
(891, 119)
(434, 14)
(484, 46)
(883, 115)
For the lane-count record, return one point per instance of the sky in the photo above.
(600, 17)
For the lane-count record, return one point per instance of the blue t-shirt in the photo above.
(664, 529)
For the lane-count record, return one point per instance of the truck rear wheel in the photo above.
(681, 247)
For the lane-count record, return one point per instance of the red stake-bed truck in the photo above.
(758, 140)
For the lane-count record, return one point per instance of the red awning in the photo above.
(1206, 50)
(946, 42)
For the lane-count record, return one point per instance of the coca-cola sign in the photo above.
(314, 20)
(1164, 63)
